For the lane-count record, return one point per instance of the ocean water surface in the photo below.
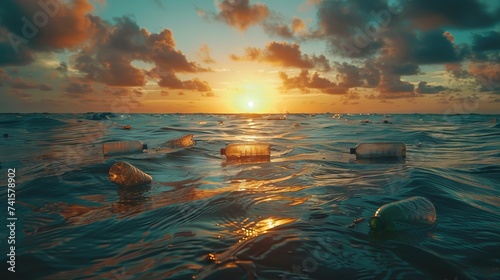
(298, 216)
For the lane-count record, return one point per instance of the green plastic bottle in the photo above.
(411, 213)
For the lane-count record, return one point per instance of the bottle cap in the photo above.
(352, 151)
(223, 151)
(376, 223)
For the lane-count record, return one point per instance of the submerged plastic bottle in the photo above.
(379, 150)
(247, 152)
(126, 175)
(411, 213)
(121, 147)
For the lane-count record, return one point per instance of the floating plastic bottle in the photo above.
(126, 175)
(122, 147)
(247, 152)
(183, 142)
(379, 150)
(411, 213)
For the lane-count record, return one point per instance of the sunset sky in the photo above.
(239, 56)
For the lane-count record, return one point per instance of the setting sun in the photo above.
(250, 104)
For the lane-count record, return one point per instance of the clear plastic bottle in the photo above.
(379, 150)
(121, 147)
(247, 152)
(411, 213)
(126, 175)
(183, 142)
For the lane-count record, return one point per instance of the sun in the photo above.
(252, 98)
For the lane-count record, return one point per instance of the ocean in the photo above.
(298, 216)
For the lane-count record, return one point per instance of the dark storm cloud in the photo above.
(464, 14)
(433, 47)
(9, 58)
(305, 82)
(489, 41)
(285, 55)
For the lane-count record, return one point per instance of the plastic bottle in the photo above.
(183, 142)
(411, 213)
(126, 175)
(247, 152)
(121, 147)
(379, 150)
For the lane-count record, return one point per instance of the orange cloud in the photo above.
(487, 74)
(306, 82)
(241, 14)
(285, 55)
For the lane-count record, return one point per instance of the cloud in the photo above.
(45, 25)
(463, 14)
(378, 28)
(411, 47)
(107, 58)
(424, 88)
(487, 75)
(9, 58)
(449, 36)
(62, 67)
(306, 82)
(240, 14)
(208, 94)
(285, 55)
(433, 47)
(276, 28)
(489, 41)
(456, 70)
(392, 86)
(343, 24)
(173, 82)
(22, 83)
(78, 88)
(204, 54)
(353, 76)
